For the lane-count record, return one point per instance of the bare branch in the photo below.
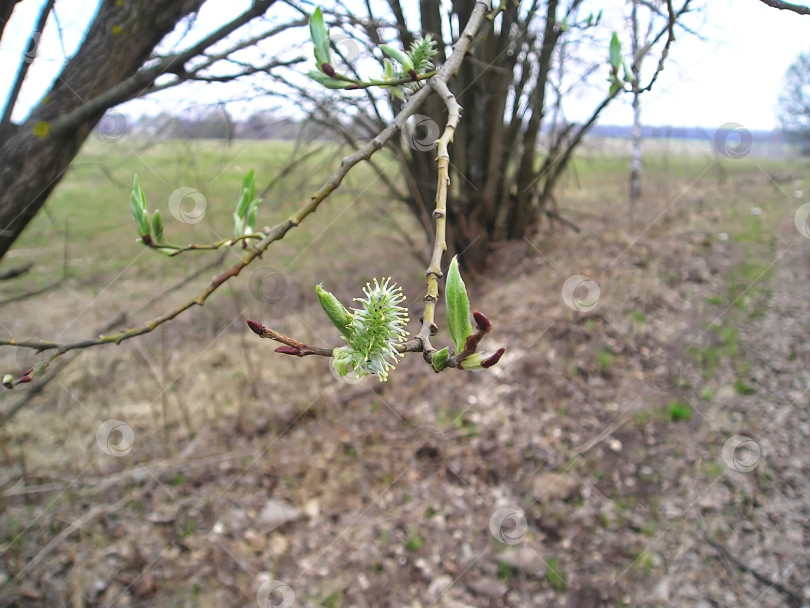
(145, 78)
(787, 6)
(28, 59)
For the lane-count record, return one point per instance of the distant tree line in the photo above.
(217, 123)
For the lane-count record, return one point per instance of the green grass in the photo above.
(505, 571)
(333, 600)
(90, 209)
(741, 388)
(414, 542)
(556, 576)
(679, 410)
(605, 360)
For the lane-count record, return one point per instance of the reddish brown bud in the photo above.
(255, 327)
(328, 69)
(490, 361)
(412, 73)
(147, 239)
(481, 321)
(289, 350)
(24, 379)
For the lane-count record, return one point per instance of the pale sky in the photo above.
(733, 74)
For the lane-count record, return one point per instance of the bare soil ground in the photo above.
(594, 466)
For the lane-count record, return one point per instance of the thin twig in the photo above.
(422, 342)
(89, 516)
(794, 597)
(787, 6)
(13, 273)
(145, 78)
(275, 233)
(173, 250)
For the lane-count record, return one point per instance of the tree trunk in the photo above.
(33, 160)
(635, 162)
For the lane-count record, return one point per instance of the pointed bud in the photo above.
(490, 361)
(24, 379)
(256, 328)
(470, 346)
(328, 69)
(481, 321)
(289, 350)
(337, 313)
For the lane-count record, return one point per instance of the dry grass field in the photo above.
(594, 466)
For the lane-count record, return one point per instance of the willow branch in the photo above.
(291, 346)
(672, 17)
(434, 269)
(173, 250)
(438, 84)
(275, 233)
(386, 83)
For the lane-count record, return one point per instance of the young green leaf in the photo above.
(251, 221)
(337, 313)
(329, 83)
(157, 227)
(458, 306)
(628, 75)
(615, 51)
(320, 37)
(137, 202)
(249, 183)
(440, 358)
(397, 56)
(243, 203)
